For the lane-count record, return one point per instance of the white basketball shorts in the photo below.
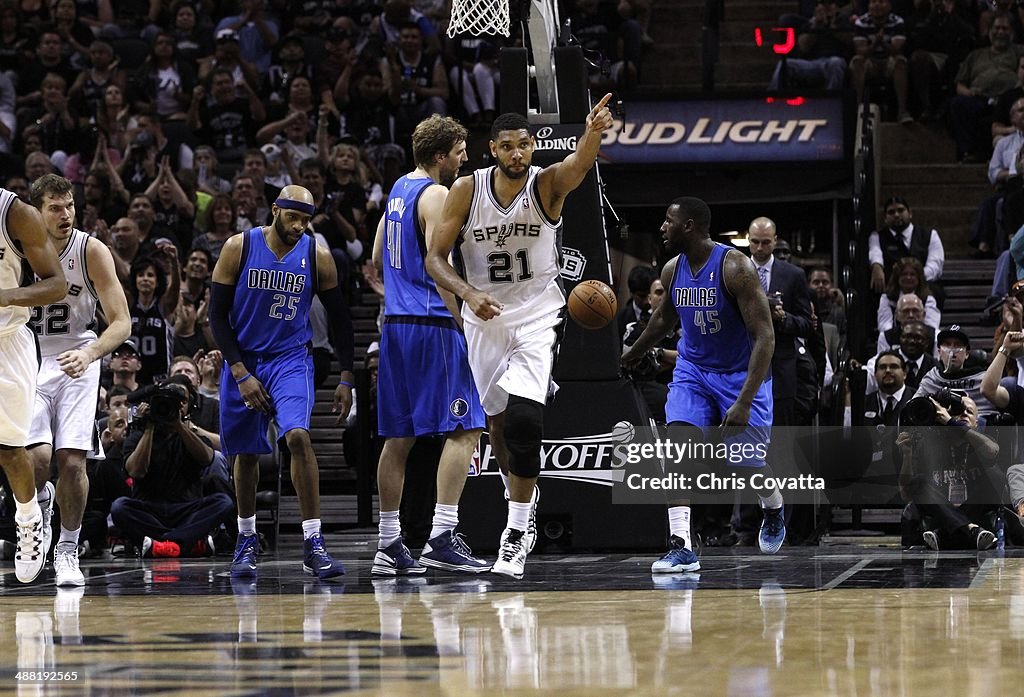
(65, 407)
(513, 359)
(18, 371)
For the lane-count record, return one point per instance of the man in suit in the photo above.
(640, 280)
(884, 407)
(914, 347)
(790, 302)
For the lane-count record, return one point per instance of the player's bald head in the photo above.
(294, 192)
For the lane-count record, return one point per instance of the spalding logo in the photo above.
(459, 407)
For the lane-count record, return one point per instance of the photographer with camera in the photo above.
(949, 473)
(654, 371)
(166, 513)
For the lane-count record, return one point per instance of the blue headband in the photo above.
(307, 208)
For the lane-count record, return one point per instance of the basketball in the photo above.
(592, 304)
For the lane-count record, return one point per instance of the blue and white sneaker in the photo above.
(246, 549)
(678, 559)
(449, 552)
(395, 560)
(773, 530)
(317, 562)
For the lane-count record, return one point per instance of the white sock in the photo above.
(505, 481)
(27, 511)
(247, 526)
(445, 518)
(69, 535)
(519, 515)
(774, 501)
(389, 529)
(679, 524)
(310, 527)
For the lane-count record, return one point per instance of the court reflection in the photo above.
(462, 637)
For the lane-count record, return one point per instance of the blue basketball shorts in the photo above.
(424, 385)
(288, 378)
(701, 398)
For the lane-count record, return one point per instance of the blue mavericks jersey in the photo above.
(714, 336)
(408, 288)
(272, 296)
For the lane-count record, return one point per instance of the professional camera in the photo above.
(164, 401)
(646, 368)
(921, 412)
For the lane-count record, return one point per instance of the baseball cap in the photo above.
(128, 344)
(373, 348)
(227, 35)
(953, 331)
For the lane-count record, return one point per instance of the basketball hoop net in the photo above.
(479, 17)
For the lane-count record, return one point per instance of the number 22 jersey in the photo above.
(714, 336)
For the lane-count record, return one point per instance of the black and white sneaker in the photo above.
(512, 554)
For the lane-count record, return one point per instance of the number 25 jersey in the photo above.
(273, 296)
(512, 252)
(715, 337)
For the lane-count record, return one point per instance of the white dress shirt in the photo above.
(936, 253)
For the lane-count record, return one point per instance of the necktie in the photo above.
(762, 272)
(911, 372)
(887, 412)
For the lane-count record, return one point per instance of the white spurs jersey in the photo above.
(514, 252)
(11, 318)
(68, 324)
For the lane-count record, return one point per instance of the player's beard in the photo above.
(282, 231)
(513, 175)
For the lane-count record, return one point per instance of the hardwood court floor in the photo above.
(856, 622)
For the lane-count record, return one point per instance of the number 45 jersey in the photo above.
(714, 336)
(512, 252)
(70, 323)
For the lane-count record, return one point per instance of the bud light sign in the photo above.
(725, 131)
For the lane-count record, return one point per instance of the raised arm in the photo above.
(663, 320)
(558, 180)
(26, 224)
(453, 217)
(990, 387)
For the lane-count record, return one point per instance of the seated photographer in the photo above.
(167, 513)
(959, 370)
(205, 416)
(948, 471)
(654, 372)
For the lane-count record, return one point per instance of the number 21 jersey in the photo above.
(715, 337)
(512, 252)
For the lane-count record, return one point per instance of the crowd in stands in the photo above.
(178, 123)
